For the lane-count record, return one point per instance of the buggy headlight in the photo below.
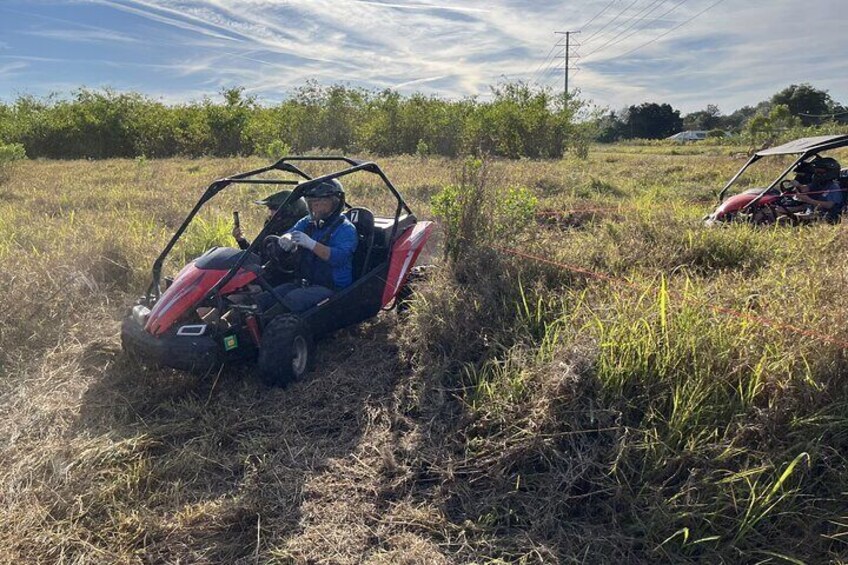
(140, 314)
(193, 330)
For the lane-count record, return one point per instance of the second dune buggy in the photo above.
(757, 204)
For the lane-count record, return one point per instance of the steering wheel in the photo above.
(283, 260)
(786, 185)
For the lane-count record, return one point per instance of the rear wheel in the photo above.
(403, 299)
(405, 294)
(285, 351)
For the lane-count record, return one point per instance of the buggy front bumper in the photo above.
(197, 354)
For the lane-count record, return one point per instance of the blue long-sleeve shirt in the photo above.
(336, 272)
(831, 192)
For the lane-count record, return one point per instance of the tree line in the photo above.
(796, 106)
(517, 121)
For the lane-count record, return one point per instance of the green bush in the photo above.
(11, 152)
(277, 149)
(422, 149)
(515, 209)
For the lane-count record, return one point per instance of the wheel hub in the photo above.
(300, 355)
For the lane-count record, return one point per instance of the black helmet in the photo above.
(296, 209)
(324, 189)
(825, 168)
(803, 173)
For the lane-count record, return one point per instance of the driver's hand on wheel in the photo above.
(303, 240)
(286, 243)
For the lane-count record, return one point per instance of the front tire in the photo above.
(285, 351)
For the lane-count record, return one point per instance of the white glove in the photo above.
(286, 243)
(302, 240)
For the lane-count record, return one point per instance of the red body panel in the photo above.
(739, 201)
(404, 253)
(190, 286)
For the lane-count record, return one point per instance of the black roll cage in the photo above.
(284, 164)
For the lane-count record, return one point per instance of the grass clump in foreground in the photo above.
(522, 412)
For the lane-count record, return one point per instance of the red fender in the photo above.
(404, 253)
(188, 288)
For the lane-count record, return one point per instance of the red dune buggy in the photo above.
(758, 204)
(208, 314)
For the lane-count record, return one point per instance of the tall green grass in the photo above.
(656, 406)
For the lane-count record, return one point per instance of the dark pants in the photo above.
(297, 298)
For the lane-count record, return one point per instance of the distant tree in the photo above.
(706, 119)
(762, 127)
(5, 122)
(782, 119)
(609, 127)
(804, 101)
(227, 122)
(738, 119)
(840, 113)
(652, 121)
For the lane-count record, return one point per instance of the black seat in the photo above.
(363, 219)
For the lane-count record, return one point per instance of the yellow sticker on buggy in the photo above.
(230, 342)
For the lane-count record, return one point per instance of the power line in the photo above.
(643, 26)
(552, 65)
(621, 13)
(595, 17)
(823, 115)
(711, 6)
(536, 77)
(557, 44)
(573, 71)
(641, 17)
(545, 60)
(629, 22)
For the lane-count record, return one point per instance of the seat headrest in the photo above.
(362, 218)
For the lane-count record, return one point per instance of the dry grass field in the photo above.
(689, 405)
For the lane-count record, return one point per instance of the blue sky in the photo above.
(689, 53)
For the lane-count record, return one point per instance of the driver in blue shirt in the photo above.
(327, 240)
(821, 191)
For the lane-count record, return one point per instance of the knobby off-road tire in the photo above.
(285, 352)
(403, 299)
(406, 293)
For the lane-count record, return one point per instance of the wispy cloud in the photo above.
(417, 6)
(692, 55)
(11, 69)
(165, 16)
(419, 81)
(84, 35)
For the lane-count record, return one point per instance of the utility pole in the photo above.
(566, 56)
